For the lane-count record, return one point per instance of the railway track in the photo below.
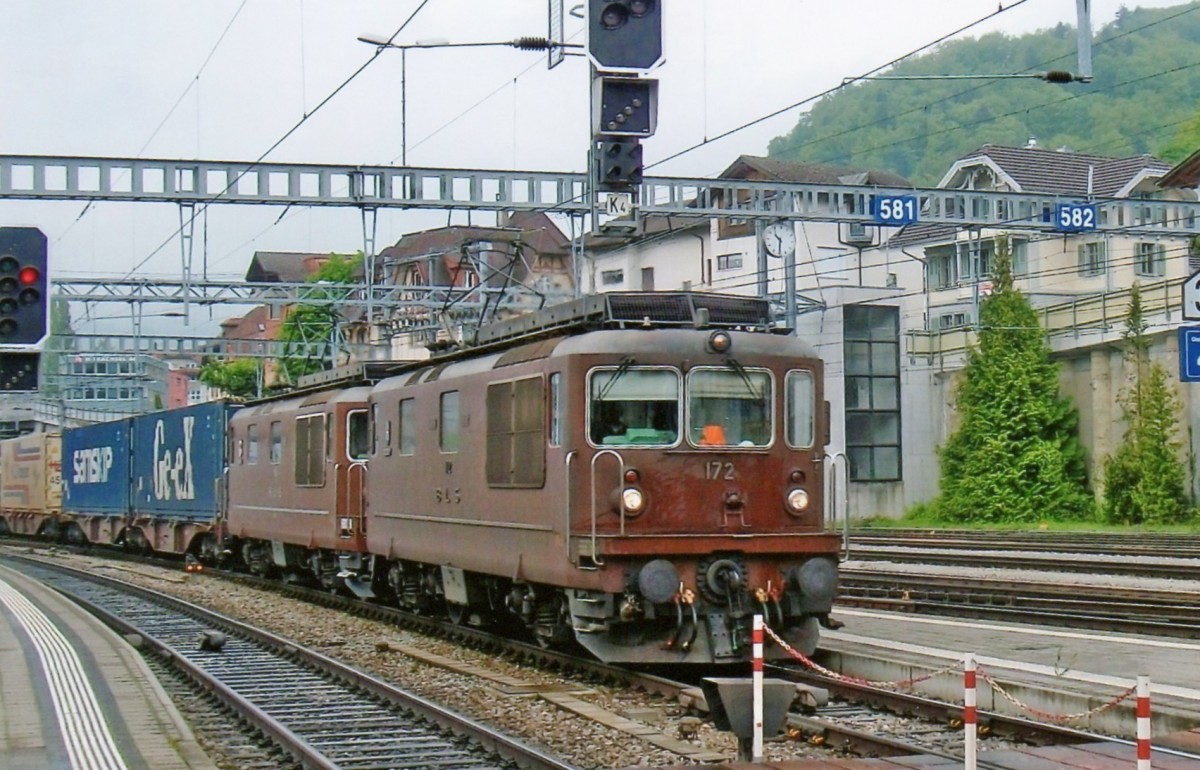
(322, 713)
(868, 721)
(1094, 607)
(1164, 545)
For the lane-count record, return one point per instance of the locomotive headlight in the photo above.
(720, 342)
(633, 500)
(797, 501)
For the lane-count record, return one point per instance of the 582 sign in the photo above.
(1076, 217)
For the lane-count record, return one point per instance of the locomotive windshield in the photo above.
(729, 407)
(634, 405)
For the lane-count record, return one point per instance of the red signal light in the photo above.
(29, 275)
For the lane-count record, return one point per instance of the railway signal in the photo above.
(619, 164)
(23, 286)
(24, 283)
(625, 35)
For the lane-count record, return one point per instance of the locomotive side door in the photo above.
(351, 478)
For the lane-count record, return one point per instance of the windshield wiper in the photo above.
(741, 370)
(626, 362)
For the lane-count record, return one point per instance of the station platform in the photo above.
(74, 694)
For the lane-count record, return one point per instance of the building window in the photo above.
(729, 262)
(950, 321)
(872, 348)
(310, 451)
(449, 422)
(408, 427)
(612, 277)
(1091, 258)
(276, 443)
(943, 267)
(1020, 256)
(1151, 260)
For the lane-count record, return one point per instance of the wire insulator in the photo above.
(531, 43)
(1058, 76)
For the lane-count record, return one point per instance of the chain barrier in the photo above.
(812, 664)
(903, 683)
(1047, 715)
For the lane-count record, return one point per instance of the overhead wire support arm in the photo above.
(28, 177)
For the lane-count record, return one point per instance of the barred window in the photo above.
(872, 348)
(310, 451)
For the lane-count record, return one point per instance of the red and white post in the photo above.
(756, 640)
(970, 733)
(1143, 723)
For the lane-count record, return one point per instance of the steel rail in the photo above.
(494, 743)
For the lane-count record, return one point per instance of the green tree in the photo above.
(1016, 456)
(1145, 480)
(311, 333)
(62, 337)
(240, 378)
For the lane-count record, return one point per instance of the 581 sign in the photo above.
(896, 210)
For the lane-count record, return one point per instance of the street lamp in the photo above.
(381, 42)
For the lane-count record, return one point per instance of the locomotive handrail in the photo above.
(361, 515)
(341, 493)
(832, 487)
(592, 488)
(567, 528)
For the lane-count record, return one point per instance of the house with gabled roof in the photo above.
(676, 252)
(520, 265)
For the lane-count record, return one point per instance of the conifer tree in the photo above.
(1016, 456)
(1145, 480)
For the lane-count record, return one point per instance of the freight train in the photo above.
(639, 473)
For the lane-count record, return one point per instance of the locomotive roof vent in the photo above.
(637, 309)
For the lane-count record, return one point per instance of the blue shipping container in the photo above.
(179, 462)
(96, 469)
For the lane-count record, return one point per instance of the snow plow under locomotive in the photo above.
(639, 472)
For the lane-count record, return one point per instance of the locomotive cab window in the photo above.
(633, 406)
(252, 445)
(729, 407)
(358, 434)
(800, 408)
(310, 451)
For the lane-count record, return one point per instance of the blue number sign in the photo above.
(1189, 353)
(1076, 217)
(895, 210)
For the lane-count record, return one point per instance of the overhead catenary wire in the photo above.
(287, 134)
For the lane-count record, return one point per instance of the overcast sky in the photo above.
(226, 79)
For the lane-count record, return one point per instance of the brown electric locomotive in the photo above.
(639, 472)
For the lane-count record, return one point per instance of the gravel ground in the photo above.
(357, 641)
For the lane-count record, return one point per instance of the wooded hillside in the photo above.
(1144, 99)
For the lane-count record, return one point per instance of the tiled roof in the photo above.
(532, 228)
(1185, 174)
(1059, 172)
(810, 173)
(921, 233)
(282, 266)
